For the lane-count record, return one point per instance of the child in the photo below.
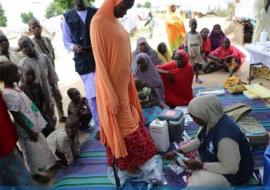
(34, 92)
(46, 76)
(79, 106)
(29, 123)
(193, 43)
(44, 45)
(149, 106)
(64, 142)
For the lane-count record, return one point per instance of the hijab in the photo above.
(150, 75)
(216, 38)
(208, 108)
(149, 51)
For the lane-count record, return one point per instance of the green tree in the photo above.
(3, 18)
(53, 10)
(147, 5)
(67, 4)
(26, 17)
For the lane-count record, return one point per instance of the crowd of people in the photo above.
(125, 90)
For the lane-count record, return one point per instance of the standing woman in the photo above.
(121, 121)
(175, 28)
(262, 15)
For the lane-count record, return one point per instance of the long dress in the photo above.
(38, 156)
(175, 29)
(121, 121)
(180, 92)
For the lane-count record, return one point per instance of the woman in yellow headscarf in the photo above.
(175, 28)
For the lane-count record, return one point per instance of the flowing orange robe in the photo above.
(175, 29)
(118, 106)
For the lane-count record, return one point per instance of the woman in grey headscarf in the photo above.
(143, 47)
(225, 155)
(146, 72)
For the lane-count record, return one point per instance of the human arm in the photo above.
(32, 135)
(189, 147)
(67, 38)
(51, 47)
(229, 158)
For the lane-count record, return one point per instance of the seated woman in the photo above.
(206, 43)
(177, 77)
(225, 57)
(225, 154)
(143, 47)
(163, 53)
(150, 107)
(146, 72)
(216, 37)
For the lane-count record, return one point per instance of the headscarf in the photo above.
(216, 38)
(184, 55)
(208, 108)
(222, 52)
(150, 52)
(180, 92)
(206, 44)
(166, 57)
(150, 75)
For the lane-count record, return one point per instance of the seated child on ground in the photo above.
(149, 106)
(79, 106)
(64, 142)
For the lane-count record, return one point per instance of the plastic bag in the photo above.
(151, 171)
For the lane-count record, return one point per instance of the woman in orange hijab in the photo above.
(175, 28)
(121, 121)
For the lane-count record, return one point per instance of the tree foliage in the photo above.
(58, 7)
(147, 5)
(53, 10)
(67, 4)
(3, 18)
(26, 17)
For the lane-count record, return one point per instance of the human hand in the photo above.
(169, 155)
(193, 164)
(84, 100)
(170, 77)
(77, 48)
(33, 136)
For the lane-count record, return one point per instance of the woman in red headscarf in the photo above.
(226, 57)
(177, 77)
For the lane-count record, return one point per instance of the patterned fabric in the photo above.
(17, 101)
(140, 148)
(150, 114)
(59, 141)
(38, 156)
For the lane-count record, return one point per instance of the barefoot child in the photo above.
(79, 106)
(29, 123)
(44, 45)
(64, 142)
(34, 92)
(46, 76)
(193, 43)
